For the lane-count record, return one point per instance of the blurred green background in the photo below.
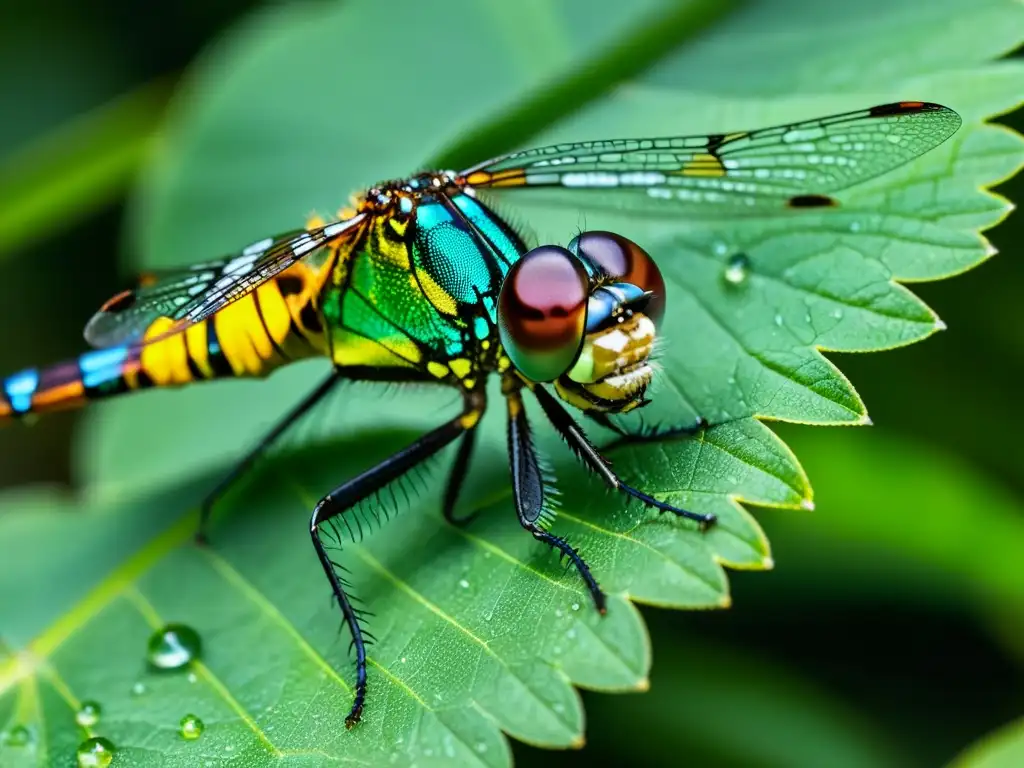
(856, 650)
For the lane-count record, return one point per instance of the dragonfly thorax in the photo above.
(398, 196)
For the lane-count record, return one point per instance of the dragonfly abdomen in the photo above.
(269, 327)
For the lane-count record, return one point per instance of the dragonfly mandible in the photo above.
(424, 282)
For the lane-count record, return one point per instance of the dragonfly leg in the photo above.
(528, 491)
(206, 508)
(348, 495)
(647, 435)
(456, 478)
(577, 441)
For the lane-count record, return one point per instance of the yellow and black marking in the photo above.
(709, 164)
(276, 323)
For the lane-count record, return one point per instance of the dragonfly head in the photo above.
(584, 317)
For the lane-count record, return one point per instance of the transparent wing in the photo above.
(192, 294)
(797, 164)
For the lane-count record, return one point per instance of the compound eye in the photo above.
(542, 312)
(626, 262)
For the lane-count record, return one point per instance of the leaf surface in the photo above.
(479, 630)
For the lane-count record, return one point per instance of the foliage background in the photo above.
(880, 636)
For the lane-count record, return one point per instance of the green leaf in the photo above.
(1002, 749)
(480, 631)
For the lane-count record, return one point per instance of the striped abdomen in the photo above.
(269, 327)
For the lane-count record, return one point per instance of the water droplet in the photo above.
(557, 650)
(139, 688)
(855, 226)
(481, 747)
(95, 753)
(464, 584)
(558, 613)
(88, 714)
(191, 727)
(18, 736)
(837, 313)
(192, 677)
(229, 747)
(571, 634)
(807, 318)
(737, 270)
(559, 708)
(173, 646)
(575, 606)
(720, 248)
(778, 320)
(403, 659)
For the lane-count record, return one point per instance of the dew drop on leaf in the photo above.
(88, 714)
(855, 226)
(575, 606)
(18, 736)
(139, 688)
(720, 249)
(464, 584)
(96, 752)
(778, 320)
(173, 646)
(837, 313)
(481, 747)
(191, 727)
(737, 269)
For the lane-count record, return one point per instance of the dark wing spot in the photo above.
(811, 201)
(120, 302)
(903, 108)
(290, 285)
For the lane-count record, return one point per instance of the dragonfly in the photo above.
(423, 282)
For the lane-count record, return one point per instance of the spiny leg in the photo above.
(528, 492)
(457, 477)
(348, 495)
(206, 509)
(646, 434)
(577, 441)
